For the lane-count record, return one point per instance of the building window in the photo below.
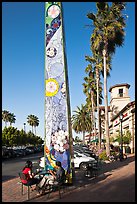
(121, 92)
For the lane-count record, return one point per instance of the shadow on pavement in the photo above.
(81, 180)
(6, 178)
(111, 191)
(107, 167)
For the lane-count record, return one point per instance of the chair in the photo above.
(57, 186)
(23, 177)
(91, 170)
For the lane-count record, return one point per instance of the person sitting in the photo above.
(27, 170)
(60, 173)
(53, 176)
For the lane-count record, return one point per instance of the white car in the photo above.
(41, 162)
(80, 161)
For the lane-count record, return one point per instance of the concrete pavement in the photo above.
(115, 183)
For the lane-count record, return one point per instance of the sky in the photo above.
(23, 57)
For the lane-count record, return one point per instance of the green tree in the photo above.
(30, 138)
(126, 137)
(77, 139)
(36, 123)
(79, 120)
(12, 118)
(4, 136)
(90, 92)
(9, 136)
(33, 121)
(97, 66)
(5, 116)
(108, 33)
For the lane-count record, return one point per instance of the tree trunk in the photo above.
(91, 134)
(84, 137)
(106, 106)
(98, 116)
(93, 112)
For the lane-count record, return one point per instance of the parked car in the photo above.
(5, 153)
(84, 150)
(41, 162)
(31, 149)
(80, 161)
(11, 153)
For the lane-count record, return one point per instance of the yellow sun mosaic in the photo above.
(52, 87)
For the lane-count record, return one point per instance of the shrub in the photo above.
(103, 155)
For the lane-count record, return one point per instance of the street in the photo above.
(11, 167)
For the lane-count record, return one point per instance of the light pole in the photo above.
(121, 137)
(24, 127)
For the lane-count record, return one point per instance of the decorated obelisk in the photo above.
(58, 133)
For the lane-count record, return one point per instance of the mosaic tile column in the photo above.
(58, 132)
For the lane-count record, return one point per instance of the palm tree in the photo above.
(5, 116)
(80, 120)
(108, 33)
(36, 123)
(90, 91)
(97, 66)
(12, 118)
(33, 121)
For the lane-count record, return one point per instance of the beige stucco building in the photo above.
(120, 104)
(118, 97)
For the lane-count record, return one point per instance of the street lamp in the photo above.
(24, 127)
(121, 137)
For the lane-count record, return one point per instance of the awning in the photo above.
(96, 140)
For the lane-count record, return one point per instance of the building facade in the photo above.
(120, 104)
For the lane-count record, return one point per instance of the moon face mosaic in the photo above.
(57, 131)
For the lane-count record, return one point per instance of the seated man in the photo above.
(60, 173)
(53, 176)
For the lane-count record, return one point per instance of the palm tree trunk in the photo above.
(84, 137)
(91, 125)
(99, 134)
(90, 133)
(93, 112)
(106, 106)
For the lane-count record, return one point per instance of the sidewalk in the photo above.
(115, 183)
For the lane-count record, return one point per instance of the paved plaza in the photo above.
(115, 183)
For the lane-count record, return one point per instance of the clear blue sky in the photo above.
(23, 57)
